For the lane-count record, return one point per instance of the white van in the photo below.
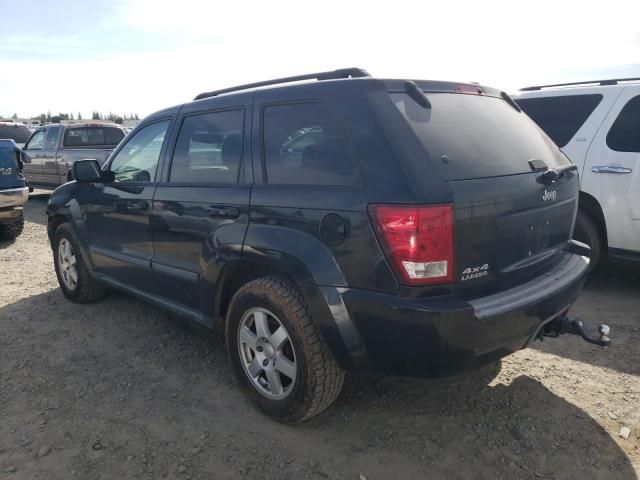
(597, 125)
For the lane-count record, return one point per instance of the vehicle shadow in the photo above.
(141, 381)
(6, 244)
(465, 427)
(611, 296)
(34, 209)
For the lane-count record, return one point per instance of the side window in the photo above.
(624, 135)
(562, 116)
(36, 142)
(52, 138)
(209, 148)
(138, 160)
(306, 144)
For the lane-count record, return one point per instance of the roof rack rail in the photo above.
(612, 81)
(331, 75)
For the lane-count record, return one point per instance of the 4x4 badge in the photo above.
(549, 195)
(471, 273)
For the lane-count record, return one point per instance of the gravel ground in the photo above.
(119, 389)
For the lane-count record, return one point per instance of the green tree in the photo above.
(79, 116)
(15, 116)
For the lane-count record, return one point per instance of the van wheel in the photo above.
(12, 230)
(74, 278)
(277, 352)
(587, 231)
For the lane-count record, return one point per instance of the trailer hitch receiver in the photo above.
(578, 327)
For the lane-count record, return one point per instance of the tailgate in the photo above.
(510, 229)
(511, 220)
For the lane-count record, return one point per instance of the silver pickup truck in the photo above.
(52, 149)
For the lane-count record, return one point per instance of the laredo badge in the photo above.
(471, 273)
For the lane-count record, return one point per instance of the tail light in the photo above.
(418, 241)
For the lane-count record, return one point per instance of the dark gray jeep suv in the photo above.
(348, 222)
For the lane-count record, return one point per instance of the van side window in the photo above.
(306, 144)
(209, 148)
(624, 135)
(36, 142)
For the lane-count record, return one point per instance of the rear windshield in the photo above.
(477, 136)
(8, 156)
(93, 136)
(561, 117)
(17, 133)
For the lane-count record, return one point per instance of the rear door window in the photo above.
(93, 136)
(209, 148)
(624, 135)
(560, 117)
(306, 144)
(477, 136)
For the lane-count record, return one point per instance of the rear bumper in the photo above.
(445, 335)
(13, 197)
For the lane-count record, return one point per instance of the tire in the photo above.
(86, 289)
(587, 231)
(11, 231)
(318, 379)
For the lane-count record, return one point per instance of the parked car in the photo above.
(597, 124)
(52, 149)
(18, 132)
(343, 224)
(14, 192)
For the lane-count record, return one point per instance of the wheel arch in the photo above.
(589, 205)
(318, 299)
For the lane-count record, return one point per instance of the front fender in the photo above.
(63, 207)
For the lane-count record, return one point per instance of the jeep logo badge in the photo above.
(549, 195)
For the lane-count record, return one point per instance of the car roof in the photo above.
(572, 88)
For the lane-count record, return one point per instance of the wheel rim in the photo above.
(267, 354)
(67, 264)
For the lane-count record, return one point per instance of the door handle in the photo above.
(610, 169)
(137, 206)
(223, 211)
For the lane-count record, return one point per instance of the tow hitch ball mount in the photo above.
(576, 326)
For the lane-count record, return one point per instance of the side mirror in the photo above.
(87, 171)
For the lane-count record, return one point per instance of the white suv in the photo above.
(597, 125)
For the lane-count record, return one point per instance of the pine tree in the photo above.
(79, 116)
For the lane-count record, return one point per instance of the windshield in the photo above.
(477, 136)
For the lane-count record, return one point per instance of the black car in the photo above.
(13, 190)
(411, 227)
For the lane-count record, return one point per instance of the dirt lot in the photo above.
(119, 389)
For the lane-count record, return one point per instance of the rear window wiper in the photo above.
(550, 174)
(555, 173)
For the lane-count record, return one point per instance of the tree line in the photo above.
(95, 115)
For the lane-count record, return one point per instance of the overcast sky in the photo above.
(143, 55)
